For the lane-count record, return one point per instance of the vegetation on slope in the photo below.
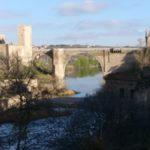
(85, 62)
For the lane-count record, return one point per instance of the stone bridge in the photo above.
(110, 59)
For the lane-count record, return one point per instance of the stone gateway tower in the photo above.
(25, 41)
(24, 47)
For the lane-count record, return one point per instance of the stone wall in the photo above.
(14, 100)
(3, 50)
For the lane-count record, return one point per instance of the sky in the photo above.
(92, 22)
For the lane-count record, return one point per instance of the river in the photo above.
(86, 85)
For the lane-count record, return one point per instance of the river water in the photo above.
(86, 85)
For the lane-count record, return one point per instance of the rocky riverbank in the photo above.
(55, 107)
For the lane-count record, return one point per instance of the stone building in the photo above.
(24, 47)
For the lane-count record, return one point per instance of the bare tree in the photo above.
(18, 77)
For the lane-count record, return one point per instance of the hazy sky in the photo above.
(103, 22)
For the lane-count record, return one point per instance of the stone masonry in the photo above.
(24, 47)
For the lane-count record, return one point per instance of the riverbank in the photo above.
(52, 93)
(56, 107)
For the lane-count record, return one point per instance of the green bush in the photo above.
(86, 62)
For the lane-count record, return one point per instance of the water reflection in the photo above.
(85, 85)
(82, 72)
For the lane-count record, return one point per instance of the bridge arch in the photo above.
(43, 63)
(40, 52)
(84, 54)
(61, 57)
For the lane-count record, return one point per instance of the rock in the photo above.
(66, 93)
(10, 102)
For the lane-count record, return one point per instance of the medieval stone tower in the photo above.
(25, 41)
(147, 38)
